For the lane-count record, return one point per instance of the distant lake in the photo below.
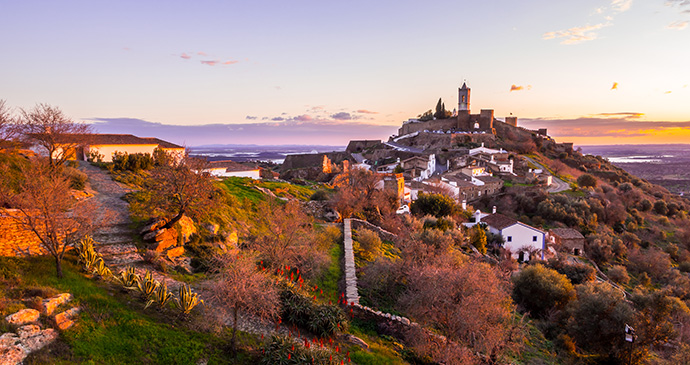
(243, 153)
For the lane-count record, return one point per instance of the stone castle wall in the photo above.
(16, 240)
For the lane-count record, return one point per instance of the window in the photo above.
(510, 238)
(534, 238)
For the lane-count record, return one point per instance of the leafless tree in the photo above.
(284, 235)
(48, 127)
(239, 287)
(8, 125)
(46, 208)
(182, 188)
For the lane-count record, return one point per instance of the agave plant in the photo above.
(88, 257)
(101, 270)
(161, 296)
(187, 300)
(128, 278)
(147, 285)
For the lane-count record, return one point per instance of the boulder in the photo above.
(14, 348)
(65, 319)
(11, 354)
(23, 317)
(155, 225)
(27, 331)
(186, 228)
(175, 252)
(164, 239)
(49, 305)
(39, 339)
(356, 341)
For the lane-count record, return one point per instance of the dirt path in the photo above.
(114, 233)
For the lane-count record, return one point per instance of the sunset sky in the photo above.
(591, 71)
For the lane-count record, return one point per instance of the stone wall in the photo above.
(16, 240)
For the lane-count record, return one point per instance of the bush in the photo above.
(438, 205)
(577, 273)
(539, 289)
(284, 350)
(297, 307)
(367, 244)
(77, 179)
(645, 205)
(619, 274)
(587, 180)
(136, 162)
(319, 195)
(660, 207)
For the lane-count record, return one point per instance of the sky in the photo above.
(591, 71)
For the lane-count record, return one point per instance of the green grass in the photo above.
(328, 282)
(381, 350)
(244, 188)
(113, 328)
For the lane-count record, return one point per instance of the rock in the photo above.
(186, 228)
(165, 238)
(65, 319)
(29, 330)
(7, 340)
(175, 252)
(11, 355)
(22, 317)
(331, 215)
(49, 305)
(232, 239)
(405, 321)
(153, 226)
(39, 340)
(212, 228)
(356, 341)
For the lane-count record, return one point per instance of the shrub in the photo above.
(478, 238)
(367, 244)
(684, 266)
(587, 180)
(186, 301)
(284, 350)
(300, 309)
(539, 289)
(619, 274)
(660, 207)
(577, 273)
(645, 205)
(319, 195)
(438, 205)
(77, 179)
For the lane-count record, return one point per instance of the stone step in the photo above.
(123, 260)
(116, 249)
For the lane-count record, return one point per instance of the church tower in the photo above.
(463, 98)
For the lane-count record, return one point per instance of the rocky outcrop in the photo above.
(65, 319)
(49, 305)
(23, 317)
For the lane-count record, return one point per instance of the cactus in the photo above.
(187, 300)
(101, 270)
(161, 296)
(88, 257)
(128, 278)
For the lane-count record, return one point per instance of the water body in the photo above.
(243, 153)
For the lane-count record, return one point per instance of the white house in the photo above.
(521, 239)
(229, 168)
(486, 150)
(104, 146)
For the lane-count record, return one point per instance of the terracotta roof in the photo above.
(161, 143)
(566, 233)
(230, 166)
(499, 221)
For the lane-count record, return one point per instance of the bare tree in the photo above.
(468, 302)
(8, 125)
(182, 188)
(240, 287)
(47, 209)
(48, 127)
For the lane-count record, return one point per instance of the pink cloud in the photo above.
(519, 87)
(185, 56)
(615, 86)
(364, 111)
(210, 63)
(230, 62)
(303, 118)
(201, 54)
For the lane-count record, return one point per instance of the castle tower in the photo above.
(463, 98)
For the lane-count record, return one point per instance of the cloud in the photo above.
(185, 56)
(622, 115)
(232, 62)
(342, 116)
(364, 111)
(620, 6)
(210, 63)
(615, 86)
(201, 54)
(668, 92)
(577, 34)
(303, 118)
(678, 25)
(250, 117)
(277, 119)
(520, 87)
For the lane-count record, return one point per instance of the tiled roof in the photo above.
(499, 221)
(97, 139)
(161, 143)
(489, 179)
(566, 233)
